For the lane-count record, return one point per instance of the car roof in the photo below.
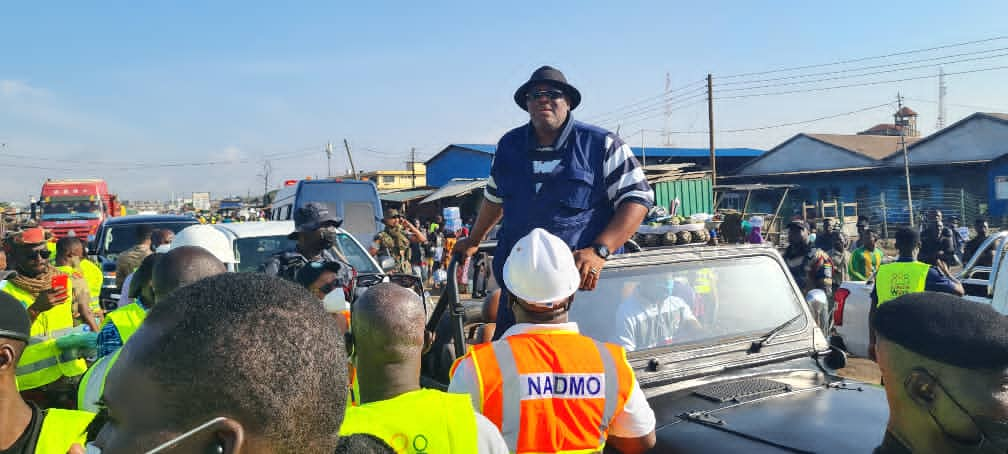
(256, 229)
(688, 253)
(149, 218)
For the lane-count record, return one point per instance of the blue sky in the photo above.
(112, 90)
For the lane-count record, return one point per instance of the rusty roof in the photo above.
(874, 147)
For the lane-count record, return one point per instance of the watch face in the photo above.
(602, 251)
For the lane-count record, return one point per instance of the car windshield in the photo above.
(358, 258)
(122, 237)
(253, 252)
(69, 209)
(642, 308)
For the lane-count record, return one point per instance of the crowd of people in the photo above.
(295, 359)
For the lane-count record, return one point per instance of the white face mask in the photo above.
(335, 301)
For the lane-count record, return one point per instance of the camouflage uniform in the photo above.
(393, 242)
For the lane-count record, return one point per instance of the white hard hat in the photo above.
(206, 237)
(541, 269)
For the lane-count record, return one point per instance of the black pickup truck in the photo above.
(118, 234)
(727, 352)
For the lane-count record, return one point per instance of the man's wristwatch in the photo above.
(601, 250)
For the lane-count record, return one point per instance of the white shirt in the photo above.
(636, 420)
(647, 325)
(124, 297)
(488, 437)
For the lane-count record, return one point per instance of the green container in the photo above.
(695, 195)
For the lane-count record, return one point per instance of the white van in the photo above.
(355, 201)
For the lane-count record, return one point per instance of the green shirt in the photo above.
(864, 263)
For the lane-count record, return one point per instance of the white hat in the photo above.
(756, 221)
(206, 237)
(541, 269)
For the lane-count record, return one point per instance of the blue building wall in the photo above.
(996, 208)
(457, 162)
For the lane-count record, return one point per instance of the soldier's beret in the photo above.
(946, 328)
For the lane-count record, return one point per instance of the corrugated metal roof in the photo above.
(456, 188)
(638, 151)
(874, 147)
(480, 147)
(405, 196)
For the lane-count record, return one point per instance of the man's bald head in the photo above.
(388, 323)
(183, 266)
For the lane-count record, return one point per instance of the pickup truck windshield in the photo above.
(643, 308)
(122, 237)
(70, 209)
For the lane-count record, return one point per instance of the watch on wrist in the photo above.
(601, 250)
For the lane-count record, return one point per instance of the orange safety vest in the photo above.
(551, 390)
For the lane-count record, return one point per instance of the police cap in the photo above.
(946, 328)
(14, 320)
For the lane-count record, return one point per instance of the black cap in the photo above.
(14, 320)
(311, 217)
(552, 76)
(946, 328)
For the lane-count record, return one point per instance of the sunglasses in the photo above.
(32, 253)
(553, 94)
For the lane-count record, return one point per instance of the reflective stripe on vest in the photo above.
(447, 425)
(62, 428)
(127, 319)
(897, 279)
(92, 385)
(43, 363)
(520, 390)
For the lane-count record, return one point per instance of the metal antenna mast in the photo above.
(942, 115)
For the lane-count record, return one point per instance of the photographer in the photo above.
(314, 230)
(395, 240)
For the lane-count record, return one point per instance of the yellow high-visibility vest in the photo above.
(92, 384)
(42, 362)
(899, 278)
(95, 278)
(127, 319)
(62, 428)
(449, 425)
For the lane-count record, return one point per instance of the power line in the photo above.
(791, 123)
(826, 73)
(861, 84)
(968, 106)
(645, 100)
(661, 112)
(660, 106)
(855, 60)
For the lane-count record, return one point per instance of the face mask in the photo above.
(173, 443)
(90, 448)
(993, 432)
(335, 301)
(329, 237)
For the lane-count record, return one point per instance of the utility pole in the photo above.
(643, 150)
(710, 131)
(413, 164)
(350, 157)
(328, 153)
(941, 99)
(265, 175)
(906, 158)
